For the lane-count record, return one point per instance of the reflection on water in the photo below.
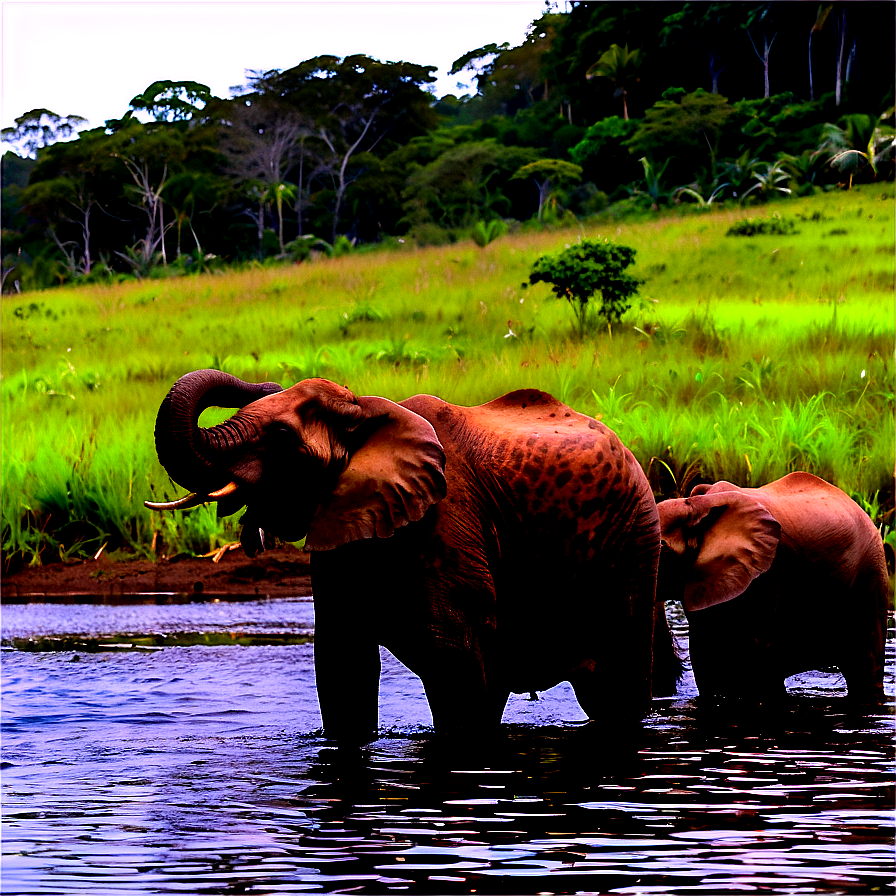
(201, 769)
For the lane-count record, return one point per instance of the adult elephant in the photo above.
(776, 580)
(492, 549)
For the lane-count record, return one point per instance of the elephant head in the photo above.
(714, 544)
(313, 460)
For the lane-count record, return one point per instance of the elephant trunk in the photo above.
(193, 456)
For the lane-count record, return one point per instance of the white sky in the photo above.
(90, 58)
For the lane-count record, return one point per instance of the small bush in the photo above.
(776, 225)
(432, 235)
(586, 268)
(485, 232)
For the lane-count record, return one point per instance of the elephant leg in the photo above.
(346, 650)
(862, 662)
(590, 692)
(458, 696)
(347, 669)
(720, 658)
(730, 658)
(862, 644)
(614, 680)
(603, 695)
(861, 681)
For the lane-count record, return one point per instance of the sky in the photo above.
(91, 58)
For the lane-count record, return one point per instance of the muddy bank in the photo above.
(281, 572)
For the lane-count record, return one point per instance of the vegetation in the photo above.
(637, 106)
(584, 269)
(744, 151)
(741, 358)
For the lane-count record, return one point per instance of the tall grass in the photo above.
(744, 358)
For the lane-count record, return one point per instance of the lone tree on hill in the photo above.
(586, 268)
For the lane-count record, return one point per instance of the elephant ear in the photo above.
(713, 488)
(392, 478)
(733, 538)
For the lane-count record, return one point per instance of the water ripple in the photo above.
(202, 769)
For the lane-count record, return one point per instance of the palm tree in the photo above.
(619, 65)
(863, 141)
(278, 193)
(769, 181)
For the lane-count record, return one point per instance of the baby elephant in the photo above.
(776, 580)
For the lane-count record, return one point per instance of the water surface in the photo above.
(176, 748)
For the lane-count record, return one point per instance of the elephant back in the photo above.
(578, 488)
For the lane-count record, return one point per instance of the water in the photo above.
(139, 759)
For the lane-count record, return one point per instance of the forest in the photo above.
(605, 110)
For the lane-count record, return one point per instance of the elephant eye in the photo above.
(281, 432)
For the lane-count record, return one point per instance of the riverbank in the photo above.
(281, 572)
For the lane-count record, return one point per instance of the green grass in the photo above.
(746, 357)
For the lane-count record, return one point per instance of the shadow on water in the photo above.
(201, 769)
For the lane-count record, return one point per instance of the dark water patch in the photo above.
(153, 642)
(124, 599)
(128, 620)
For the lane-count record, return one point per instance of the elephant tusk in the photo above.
(193, 500)
(228, 489)
(185, 503)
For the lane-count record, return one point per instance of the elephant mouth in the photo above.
(231, 498)
(252, 537)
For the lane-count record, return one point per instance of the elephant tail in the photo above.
(667, 664)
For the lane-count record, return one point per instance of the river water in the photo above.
(175, 747)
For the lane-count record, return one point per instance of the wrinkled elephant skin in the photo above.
(519, 540)
(776, 580)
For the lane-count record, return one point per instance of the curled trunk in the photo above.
(192, 455)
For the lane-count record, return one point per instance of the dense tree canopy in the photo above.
(636, 104)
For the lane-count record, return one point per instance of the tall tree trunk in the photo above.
(299, 199)
(544, 189)
(811, 82)
(841, 27)
(195, 238)
(715, 70)
(85, 230)
(280, 219)
(764, 58)
(342, 183)
(162, 230)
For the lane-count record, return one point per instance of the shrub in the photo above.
(762, 226)
(586, 268)
(485, 232)
(428, 234)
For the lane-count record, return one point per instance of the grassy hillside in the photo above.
(745, 357)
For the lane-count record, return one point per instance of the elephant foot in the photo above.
(611, 704)
(742, 716)
(466, 721)
(349, 737)
(462, 704)
(865, 694)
